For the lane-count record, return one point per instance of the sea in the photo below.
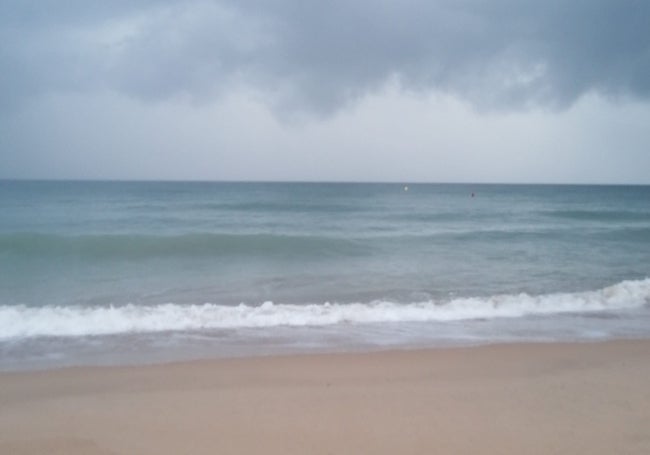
(116, 273)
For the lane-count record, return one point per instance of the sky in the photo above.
(521, 91)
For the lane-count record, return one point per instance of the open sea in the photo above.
(141, 272)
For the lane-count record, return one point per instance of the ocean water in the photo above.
(133, 272)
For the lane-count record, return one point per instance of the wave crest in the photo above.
(24, 322)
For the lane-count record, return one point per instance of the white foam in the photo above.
(23, 322)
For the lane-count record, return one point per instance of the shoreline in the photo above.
(578, 397)
(252, 351)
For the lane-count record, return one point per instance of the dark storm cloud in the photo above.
(321, 55)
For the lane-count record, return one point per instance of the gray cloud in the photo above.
(323, 55)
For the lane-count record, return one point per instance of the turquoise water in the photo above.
(210, 269)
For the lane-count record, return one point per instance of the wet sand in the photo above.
(577, 398)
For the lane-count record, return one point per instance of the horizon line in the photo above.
(271, 181)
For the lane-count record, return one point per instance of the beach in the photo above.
(502, 399)
(334, 228)
(323, 318)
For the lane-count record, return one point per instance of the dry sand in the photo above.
(508, 399)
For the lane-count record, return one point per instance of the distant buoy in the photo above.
(406, 188)
(472, 194)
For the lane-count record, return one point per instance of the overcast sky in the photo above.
(381, 90)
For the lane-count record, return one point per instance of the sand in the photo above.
(590, 398)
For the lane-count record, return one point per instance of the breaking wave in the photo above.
(20, 321)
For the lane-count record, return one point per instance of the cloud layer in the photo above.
(320, 56)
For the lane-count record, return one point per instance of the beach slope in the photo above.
(582, 398)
